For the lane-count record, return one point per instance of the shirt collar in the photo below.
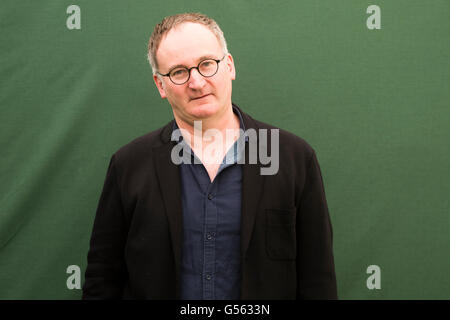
(234, 155)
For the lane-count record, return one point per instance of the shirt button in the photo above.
(210, 196)
(208, 277)
(209, 236)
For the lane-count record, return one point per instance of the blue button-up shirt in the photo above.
(210, 264)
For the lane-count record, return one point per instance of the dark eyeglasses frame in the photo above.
(189, 71)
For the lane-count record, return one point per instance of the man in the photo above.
(200, 228)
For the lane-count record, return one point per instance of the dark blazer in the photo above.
(286, 235)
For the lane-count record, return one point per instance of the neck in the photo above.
(226, 120)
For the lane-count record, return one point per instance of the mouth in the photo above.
(201, 97)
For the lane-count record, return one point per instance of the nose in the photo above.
(196, 80)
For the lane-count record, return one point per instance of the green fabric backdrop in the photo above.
(374, 104)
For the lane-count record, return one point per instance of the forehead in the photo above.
(186, 43)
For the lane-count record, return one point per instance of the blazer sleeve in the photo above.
(105, 274)
(316, 277)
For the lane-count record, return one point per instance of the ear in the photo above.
(230, 65)
(160, 86)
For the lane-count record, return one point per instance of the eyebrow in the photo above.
(205, 57)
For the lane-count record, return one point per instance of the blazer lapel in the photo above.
(252, 187)
(170, 185)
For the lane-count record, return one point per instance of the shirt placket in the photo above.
(209, 240)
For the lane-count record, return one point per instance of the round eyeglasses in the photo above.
(180, 75)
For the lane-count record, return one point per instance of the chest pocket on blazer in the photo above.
(280, 234)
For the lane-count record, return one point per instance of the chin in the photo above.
(203, 111)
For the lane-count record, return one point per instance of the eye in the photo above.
(208, 67)
(180, 72)
(207, 63)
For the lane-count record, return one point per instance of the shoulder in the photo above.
(141, 148)
(292, 160)
(290, 145)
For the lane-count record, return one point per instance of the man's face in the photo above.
(200, 97)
